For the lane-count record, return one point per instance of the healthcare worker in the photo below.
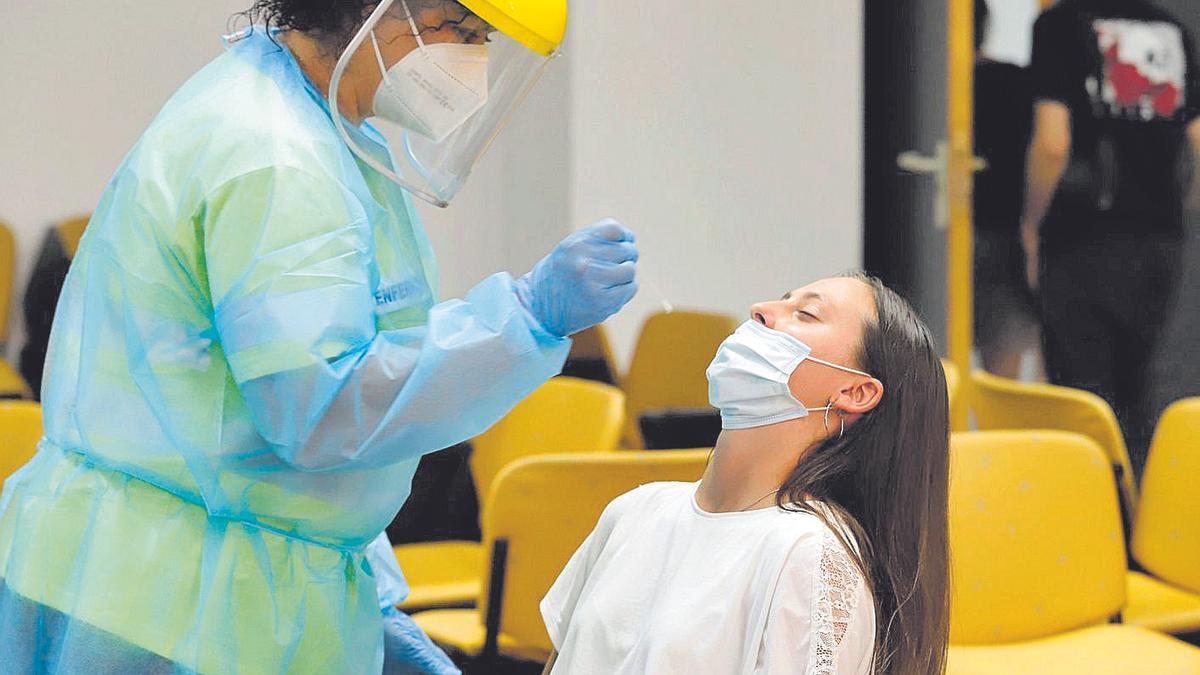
(248, 358)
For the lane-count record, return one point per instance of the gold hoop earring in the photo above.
(841, 419)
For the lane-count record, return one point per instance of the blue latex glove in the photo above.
(408, 651)
(584, 280)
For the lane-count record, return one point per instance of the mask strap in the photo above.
(416, 34)
(834, 365)
(413, 23)
(379, 56)
(829, 406)
(339, 122)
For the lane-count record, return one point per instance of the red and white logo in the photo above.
(1144, 71)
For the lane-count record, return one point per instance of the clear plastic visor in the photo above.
(450, 83)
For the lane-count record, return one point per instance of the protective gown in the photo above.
(246, 365)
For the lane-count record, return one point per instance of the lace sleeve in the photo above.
(835, 596)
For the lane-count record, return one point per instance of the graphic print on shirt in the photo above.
(1143, 71)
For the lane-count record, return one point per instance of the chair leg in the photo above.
(495, 602)
(1126, 508)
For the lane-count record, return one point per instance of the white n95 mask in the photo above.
(434, 89)
(748, 378)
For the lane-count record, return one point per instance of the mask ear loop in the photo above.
(413, 24)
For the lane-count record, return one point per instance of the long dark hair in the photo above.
(886, 479)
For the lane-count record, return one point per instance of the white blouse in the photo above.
(662, 586)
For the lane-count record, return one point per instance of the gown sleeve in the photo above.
(289, 258)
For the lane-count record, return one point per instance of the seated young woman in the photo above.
(816, 540)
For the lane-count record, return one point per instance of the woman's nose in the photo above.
(764, 313)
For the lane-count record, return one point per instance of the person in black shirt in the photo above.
(1115, 85)
(1005, 318)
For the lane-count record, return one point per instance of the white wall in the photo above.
(730, 144)
(81, 81)
(729, 137)
(514, 208)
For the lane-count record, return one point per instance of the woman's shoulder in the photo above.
(649, 498)
(812, 530)
(648, 494)
(821, 591)
(818, 560)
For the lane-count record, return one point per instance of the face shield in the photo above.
(449, 97)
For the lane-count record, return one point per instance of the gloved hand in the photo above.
(408, 651)
(584, 280)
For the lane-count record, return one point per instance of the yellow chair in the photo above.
(1001, 403)
(591, 349)
(1038, 562)
(540, 510)
(667, 371)
(12, 385)
(953, 386)
(953, 380)
(1166, 534)
(563, 415)
(20, 431)
(70, 233)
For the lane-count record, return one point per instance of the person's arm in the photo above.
(550, 662)
(1193, 201)
(821, 593)
(1055, 76)
(1192, 97)
(289, 260)
(1049, 152)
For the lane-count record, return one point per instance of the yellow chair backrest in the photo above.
(8, 261)
(20, 431)
(667, 371)
(1001, 403)
(545, 507)
(953, 380)
(953, 385)
(1166, 534)
(1035, 536)
(563, 415)
(593, 344)
(70, 232)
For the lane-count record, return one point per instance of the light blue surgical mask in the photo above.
(748, 378)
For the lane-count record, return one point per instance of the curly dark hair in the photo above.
(332, 22)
